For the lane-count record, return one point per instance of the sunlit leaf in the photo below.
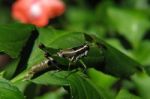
(129, 23)
(101, 79)
(8, 91)
(52, 78)
(142, 54)
(124, 94)
(142, 83)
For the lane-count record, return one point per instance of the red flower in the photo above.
(37, 12)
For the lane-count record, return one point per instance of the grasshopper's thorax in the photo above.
(74, 53)
(66, 53)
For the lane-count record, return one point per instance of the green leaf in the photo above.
(141, 54)
(117, 63)
(59, 38)
(58, 94)
(100, 79)
(124, 94)
(96, 30)
(79, 16)
(101, 12)
(138, 4)
(82, 88)
(116, 44)
(8, 91)
(103, 81)
(142, 83)
(147, 69)
(13, 38)
(114, 62)
(129, 23)
(79, 19)
(11, 68)
(52, 78)
(94, 57)
(54, 39)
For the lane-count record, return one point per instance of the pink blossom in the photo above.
(37, 12)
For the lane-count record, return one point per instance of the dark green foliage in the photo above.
(117, 64)
(13, 38)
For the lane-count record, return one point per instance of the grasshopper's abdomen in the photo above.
(75, 53)
(37, 68)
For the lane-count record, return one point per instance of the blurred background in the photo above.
(124, 24)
